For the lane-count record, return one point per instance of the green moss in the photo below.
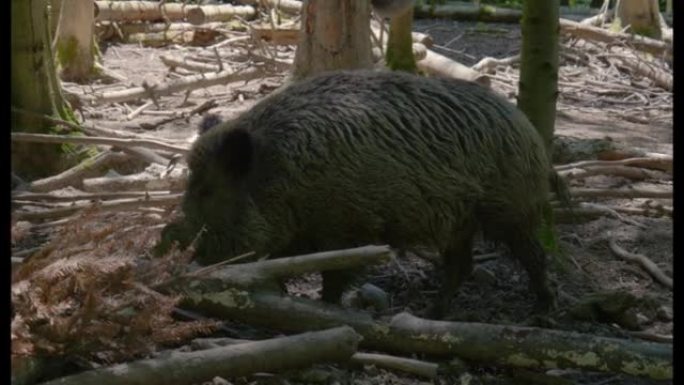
(67, 50)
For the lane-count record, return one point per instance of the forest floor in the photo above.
(497, 291)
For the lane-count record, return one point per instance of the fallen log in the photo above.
(289, 6)
(252, 274)
(659, 77)
(75, 175)
(654, 162)
(516, 346)
(629, 172)
(437, 64)
(179, 85)
(488, 64)
(224, 12)
(188, 64)
(186, 368)
(129, 11)
(107, 30)
(620, 193)
(471, 12)
(84, 196)
(280, 36)
(198, 38)
(588, 32)
(408, 365)
(150, 179)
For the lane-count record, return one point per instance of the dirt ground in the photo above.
(497, 291)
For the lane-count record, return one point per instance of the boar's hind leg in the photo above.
(527, 249)
(458, 264)
(335, 282)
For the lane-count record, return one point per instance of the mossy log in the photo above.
(516, 346)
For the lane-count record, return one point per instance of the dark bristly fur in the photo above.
(208, 122)
(353, 158)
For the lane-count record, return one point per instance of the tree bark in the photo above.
(75, 46)
(539, 66)
(642, 17)
(32, 88)
(335, 34)
(399, 55)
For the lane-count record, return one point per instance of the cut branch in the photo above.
(254, 273)
(663, 162)
(277, 354)
(437, 64)
(74, 176)
(408, 365)
(183, 84)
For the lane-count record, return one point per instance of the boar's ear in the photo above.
(236, 152)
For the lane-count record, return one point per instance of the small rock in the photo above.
(367, 296)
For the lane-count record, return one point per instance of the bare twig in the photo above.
(119, 142)
(642, 260)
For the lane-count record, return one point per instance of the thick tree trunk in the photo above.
(400, 43)
(31, 88)
(335, 34)
(539, 65)
(74, 32)
(642, 17)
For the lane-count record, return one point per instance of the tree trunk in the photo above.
(399, 55)
(335, 34)
(642, 17)
(538, 85)
(32, 88)
(74, 32)
(539, 66)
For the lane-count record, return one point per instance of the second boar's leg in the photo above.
(457, 265)
(527, 249)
